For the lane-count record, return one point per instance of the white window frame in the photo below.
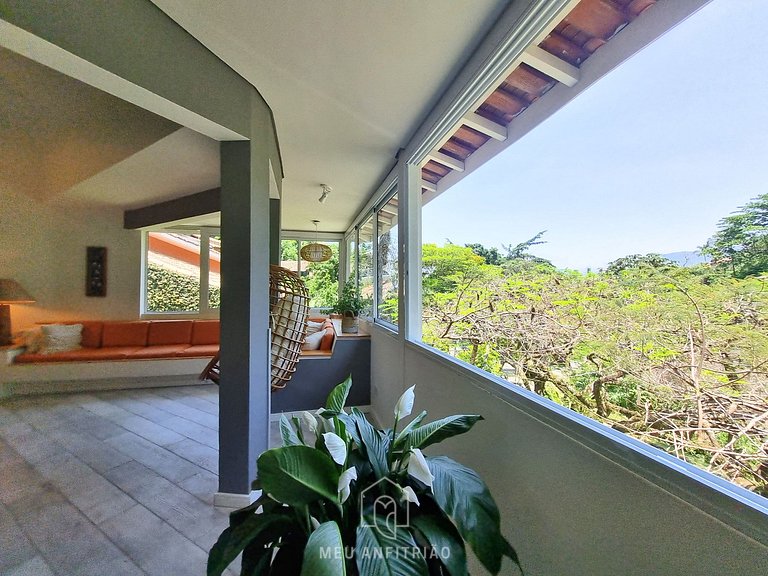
(204, 311)
(392, 190)
(303, 235)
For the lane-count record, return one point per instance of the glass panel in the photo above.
(173, 272)
(352, 255)
(214, 272)
(289, 254)
(387, 279)
(365, 266)
(322, 278)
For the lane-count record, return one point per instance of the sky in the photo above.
(648, 159)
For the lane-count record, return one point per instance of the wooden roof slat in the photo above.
(529, 80)
(455, 148)
(470, 137)
(559, 46)
(597, 18)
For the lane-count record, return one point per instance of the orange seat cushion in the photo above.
(205, 332)
(92, 331)
(327, 342)
(167, 332)
(199, 351)
(124, 334)
(167, 351)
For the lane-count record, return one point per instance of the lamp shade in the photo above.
(316, 252)
(11, 292)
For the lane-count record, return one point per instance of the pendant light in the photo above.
(316, 252)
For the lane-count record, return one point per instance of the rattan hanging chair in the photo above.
(288, 312)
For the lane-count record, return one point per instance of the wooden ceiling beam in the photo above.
(487, 127)
(551, 65)
(447, 161)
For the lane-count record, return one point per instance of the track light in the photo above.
(326, 190)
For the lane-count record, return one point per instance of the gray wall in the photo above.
(316, 377)
(567, 509)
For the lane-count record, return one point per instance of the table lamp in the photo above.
(10, 293)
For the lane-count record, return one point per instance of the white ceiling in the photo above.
(348, 82)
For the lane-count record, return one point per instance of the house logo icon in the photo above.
(380, 509)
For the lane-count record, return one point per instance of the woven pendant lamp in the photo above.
(316, 252)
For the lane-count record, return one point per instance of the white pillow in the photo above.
(313, 327)
(61, 337)
(312, 341)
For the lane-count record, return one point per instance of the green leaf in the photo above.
(256, 559)
(466, 500)
(324, 553)
(446, 542)
(298, 475)
(338, 396)
(411, 425)
(375, 444)
(380, 551)
(439, 430)
(290, 438)
(232, 541)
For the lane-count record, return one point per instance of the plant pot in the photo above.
(349, 323)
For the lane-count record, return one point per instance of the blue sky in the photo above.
(648, 159)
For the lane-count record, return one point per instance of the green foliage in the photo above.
(641, 345)
(169, 291)
(741, 242)
(639, 261)
(362, 501)
(322, 280)
(350, 301)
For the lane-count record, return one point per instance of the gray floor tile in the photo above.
(166, 463)
(198, 432)
(203, 485)
(14, 544)
(154, 545)
(203, 456)
(33, 567)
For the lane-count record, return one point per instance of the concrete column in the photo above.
(244, 396)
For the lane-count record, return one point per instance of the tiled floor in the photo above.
(109, 483)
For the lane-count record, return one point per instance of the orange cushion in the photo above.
(199, 351)
(205, 332)
(92, 330)
(167, 351)
(165, 332)
(327, 342)
(125, 334)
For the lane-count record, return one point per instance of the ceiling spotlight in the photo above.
(326, 190)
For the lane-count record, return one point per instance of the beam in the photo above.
(487, 127)
(550, 65)
(447, 161)
(427, 185)
(206, 202)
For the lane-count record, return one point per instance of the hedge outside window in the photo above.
(386, 270)
(183, 270)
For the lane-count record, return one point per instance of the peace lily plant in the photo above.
(342, 497)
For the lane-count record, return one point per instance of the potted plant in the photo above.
(343, 497)
(349, 305)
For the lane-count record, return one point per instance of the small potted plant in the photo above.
(342, 497)
(349, 305)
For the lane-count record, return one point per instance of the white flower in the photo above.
(405, 404)
(309, 421)
(409, 495)
(315, 522)
(418, 468)
(344, 480)
(336, 447)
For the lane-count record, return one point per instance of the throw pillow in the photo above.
(32, 340)
(61, 337)
(313, 327)
(312, 341)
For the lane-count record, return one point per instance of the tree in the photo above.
(491, 255)
(639, 261)
(741, 242)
